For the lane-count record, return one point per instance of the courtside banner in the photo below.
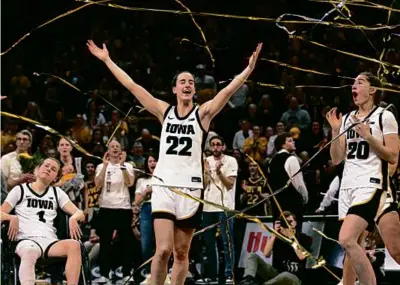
(255, 239)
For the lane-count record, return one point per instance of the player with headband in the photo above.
(367, 150)
(180, 164)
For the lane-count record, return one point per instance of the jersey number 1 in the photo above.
(41, 216)
(358, 150)
(175, 142)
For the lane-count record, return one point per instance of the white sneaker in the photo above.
(102, 280)
(229, 281)
(147, 280)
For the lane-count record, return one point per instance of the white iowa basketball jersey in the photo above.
(180, 162)
(363, 167)
(36, 213)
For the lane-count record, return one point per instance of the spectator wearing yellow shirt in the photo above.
(80, 132)
(256, 146)
(9, 133)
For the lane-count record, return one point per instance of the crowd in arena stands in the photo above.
(242, 141)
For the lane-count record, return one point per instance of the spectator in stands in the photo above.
(10, 166)
(45, 144)
(93, 117)
(114, 176)
(150, 143)
(239, 98)
(282, 167)
(121, 134)
(51, 152)
(206, 87)
(256, 146)
(223, 171)
(269, 132)
(252, 115)
(142, 205)
(242, 135)
(91, 210)
(59, 123)
(253, 187)
(9, 133)
(137, 155)
(64, 148)
(280, 128)
(80, 131)
(9, 147)
(288, 264)
(266, 113)
(33, 112)
(296, 116)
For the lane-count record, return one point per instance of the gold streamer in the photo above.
(50, 21)
(320, 262)
(346, 53)
(304, 69)
(315, 72)
(118, 126)
(193, 43)
(347, 18)
(367, 4)
(200, 30)
(385, 40)
(322, 234)
(345, 86)
(50, 130)
(250, 18)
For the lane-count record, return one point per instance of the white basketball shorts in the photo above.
(42, 243)
(185, 212)
(366, 202)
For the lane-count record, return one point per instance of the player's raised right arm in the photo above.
(153, 105)
(338, 147)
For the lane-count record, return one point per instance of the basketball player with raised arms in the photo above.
(367, 150)
(180, 164)
(32, 226)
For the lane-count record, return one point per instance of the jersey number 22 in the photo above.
(184, 143)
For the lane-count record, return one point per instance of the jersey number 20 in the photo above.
(358, 150)
(182, 141)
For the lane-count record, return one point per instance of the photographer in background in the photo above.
(288, 264)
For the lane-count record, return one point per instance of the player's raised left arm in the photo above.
(211, 108)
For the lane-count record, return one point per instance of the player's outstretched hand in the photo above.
(13, 228)
(74, 229)
(101, 54)
(254, 56)
(333, 119)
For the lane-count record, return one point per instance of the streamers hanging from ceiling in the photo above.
(251, 18)
(361, 3)
(70, 12)
(203, 36)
